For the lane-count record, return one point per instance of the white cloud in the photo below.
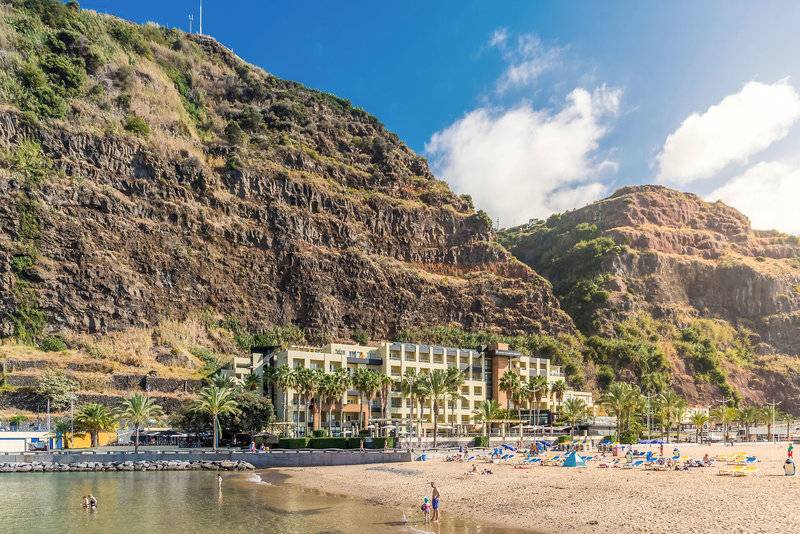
(739, 126)
(522, 162)
(499, 38)
(767, 193)
(527, 59)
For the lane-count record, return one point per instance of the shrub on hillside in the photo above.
(52, 344)
(137, 125)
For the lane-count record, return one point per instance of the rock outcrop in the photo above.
(181, 179)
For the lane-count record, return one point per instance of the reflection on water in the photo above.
(192, 502)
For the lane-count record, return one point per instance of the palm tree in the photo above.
(510, 384)
(725, 415)
(342, 384)
(216, 401)
(268, 374)
(558, 389)
(621, 400)
(787, 418)
(252, 382)
(438, 386)
(574, 410)
(384, 391)
(487, 412)
(367, 382)
(422, 393)
(285, 379)
(408, 391)
(137, 410)
(95, 418)
(62, 427)
(699, 420)
(307, 381)
(671, 407)
(750, 416)
(455, 379)
(536, 389)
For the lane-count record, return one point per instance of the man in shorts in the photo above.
(435, 503)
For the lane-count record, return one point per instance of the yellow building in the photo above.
(482, 372)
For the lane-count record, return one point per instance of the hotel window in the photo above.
(465, 390)
(298, 363)
(477, 390)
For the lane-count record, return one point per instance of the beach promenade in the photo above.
(592, 499)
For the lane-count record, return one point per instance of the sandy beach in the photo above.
(592, 499)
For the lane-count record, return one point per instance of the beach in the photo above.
(592, 499)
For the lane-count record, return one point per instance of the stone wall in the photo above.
(282, 458)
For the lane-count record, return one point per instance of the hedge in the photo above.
(334, 443)
(293, 443)
(481, 441)
(328, 443)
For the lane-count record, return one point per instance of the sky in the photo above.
(539, 107)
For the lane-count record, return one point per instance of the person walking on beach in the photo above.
(435, 503)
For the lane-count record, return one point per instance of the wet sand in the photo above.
(592, 499)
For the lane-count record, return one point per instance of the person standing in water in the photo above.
(219, 480)
(435, 503)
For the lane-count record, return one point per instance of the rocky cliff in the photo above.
(147, 173)
(649, 250)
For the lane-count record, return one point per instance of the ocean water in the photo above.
(192, 502)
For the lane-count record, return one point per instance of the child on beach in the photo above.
(426, 509)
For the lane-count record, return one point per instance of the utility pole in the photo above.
(772, 406)
(191, 21)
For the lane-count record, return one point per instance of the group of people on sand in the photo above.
(89, 502)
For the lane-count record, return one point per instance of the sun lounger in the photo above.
(634, 465)
(745, 470)
(555, 460)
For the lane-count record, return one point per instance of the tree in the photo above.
(252, 382)
(367, 382)
(575, 411)
(558, 389)
(725, 415)
(94, 418)
(536, 389)
(254, 415)
(509, 384)
(268, 374)
(750, 416)
(671, 408)
(455, 380)
(15, 420)
(437, 386)
(216, 401)
(422, 393)
(384, 390)
(408, 391)
(343, 383)
(699, 420)
(285, 379)
(487, 412)
(621, 400)
(138, 410)
(62, 427)
(57, 388)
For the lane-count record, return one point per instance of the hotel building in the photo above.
(482, 372)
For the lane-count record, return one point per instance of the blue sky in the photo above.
(554, 103)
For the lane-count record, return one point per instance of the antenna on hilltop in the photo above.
(191, 20)
(201, 17)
